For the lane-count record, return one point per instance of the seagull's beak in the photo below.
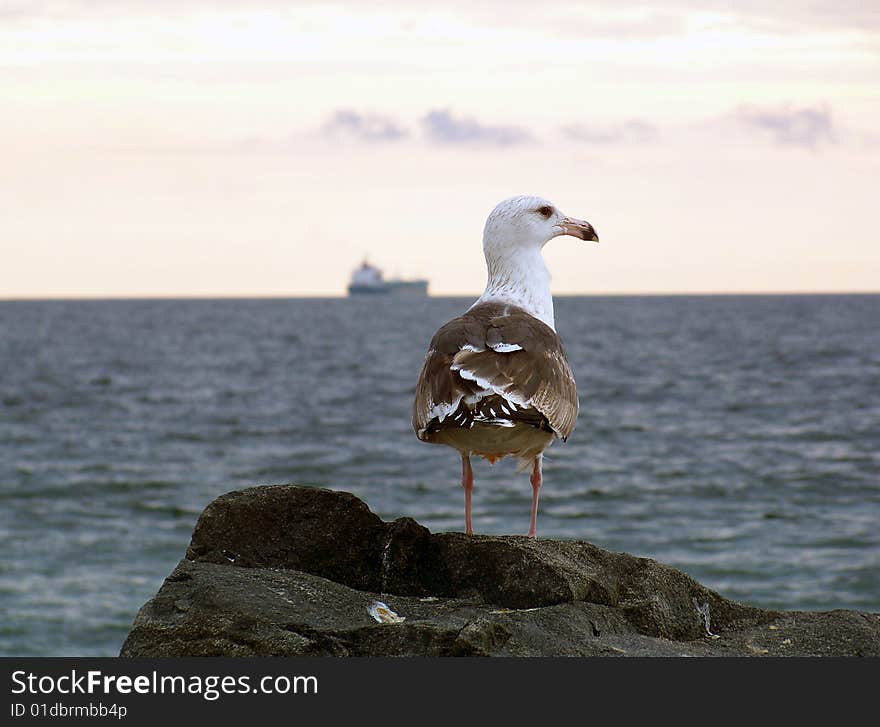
(577, 228)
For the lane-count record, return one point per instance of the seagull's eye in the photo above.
(545, 211)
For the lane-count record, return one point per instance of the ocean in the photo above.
(734, 437)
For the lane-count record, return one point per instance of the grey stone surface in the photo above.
(288, 570)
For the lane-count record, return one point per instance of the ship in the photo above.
(368, 280)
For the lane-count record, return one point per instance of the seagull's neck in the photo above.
(520, 279)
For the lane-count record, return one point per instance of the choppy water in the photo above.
(737, 438)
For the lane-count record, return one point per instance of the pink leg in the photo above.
(536, 490)
(467, 482)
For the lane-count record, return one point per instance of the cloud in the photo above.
(436, 127)
(799, 127)
(644, 18)
(633, 131)
(355, 126)
(805, 127)
(611, 19)
(440, 126)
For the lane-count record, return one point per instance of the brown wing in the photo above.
(500, 349)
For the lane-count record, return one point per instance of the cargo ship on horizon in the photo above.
(369, 280)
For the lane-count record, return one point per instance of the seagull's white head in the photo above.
(526, 222)
(515, 233)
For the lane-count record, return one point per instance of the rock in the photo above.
(284, 570)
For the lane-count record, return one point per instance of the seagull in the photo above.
(496, 381)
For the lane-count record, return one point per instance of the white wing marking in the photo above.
(506, 347)
(489, 386)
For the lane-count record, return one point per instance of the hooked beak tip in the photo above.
(578, 228)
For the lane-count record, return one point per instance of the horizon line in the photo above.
(322, 296)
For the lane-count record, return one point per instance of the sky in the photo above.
(264, 148)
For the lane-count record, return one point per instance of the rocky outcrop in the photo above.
(287, 570)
